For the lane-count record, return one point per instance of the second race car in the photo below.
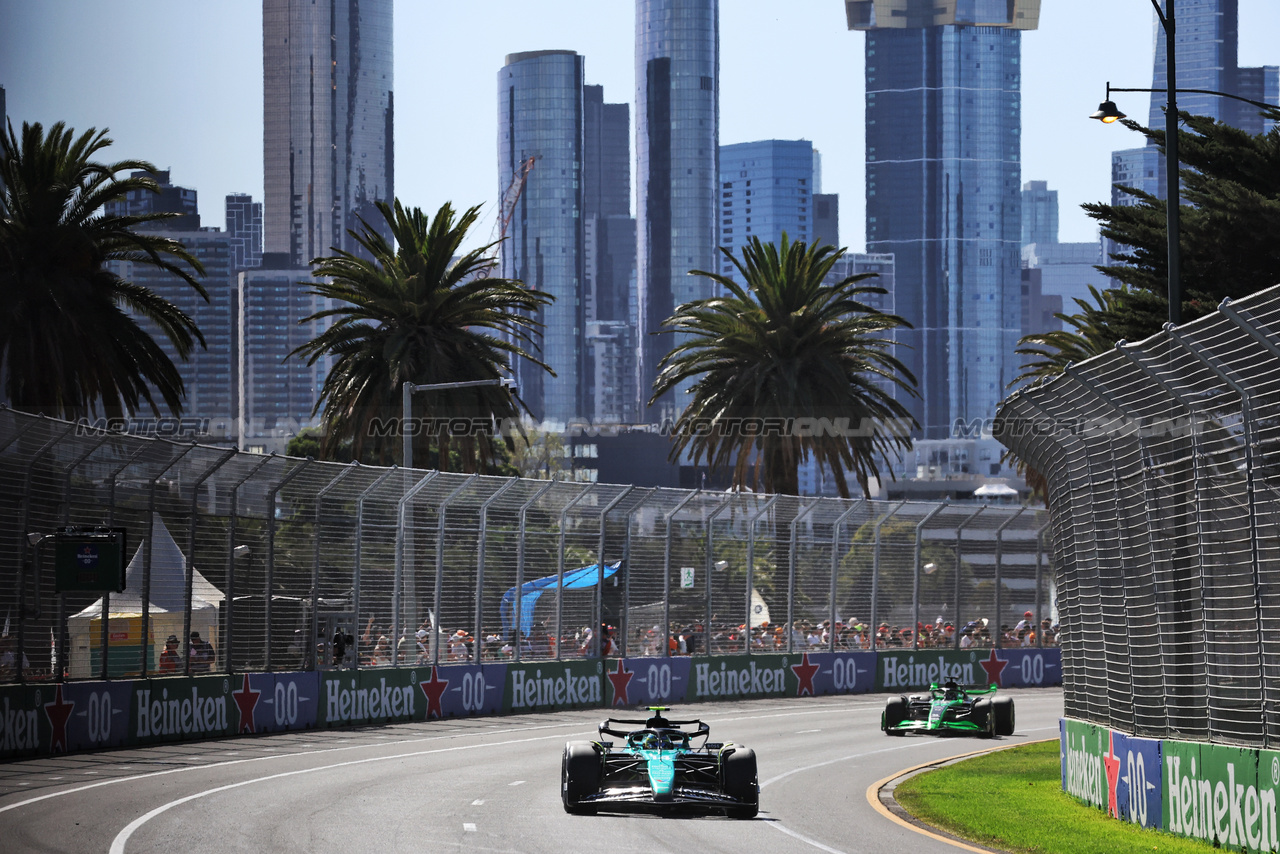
(950, 709)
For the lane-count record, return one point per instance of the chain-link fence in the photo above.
(283, 564)
(1163, 467)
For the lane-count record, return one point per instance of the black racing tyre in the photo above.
(1003, 709)
(738, 772)
(984, 716)
(579, 776)
(895, 712)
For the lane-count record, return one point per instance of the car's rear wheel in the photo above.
(895, 712)
(738, 770)
(579, 776)
(1002, 707)
(984, 717)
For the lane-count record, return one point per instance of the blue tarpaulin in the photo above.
(576, 579)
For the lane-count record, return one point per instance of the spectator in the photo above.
(458, 649)
(1027, 622)
(201, 654)
(380, 656)
(9, 658)
(169, 658)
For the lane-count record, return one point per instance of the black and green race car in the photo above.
(949, 710)
(657, 766)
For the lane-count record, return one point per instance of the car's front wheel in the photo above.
(741, 783)
(984, 717)
(1002, 707)
(579, 776)
(895, 712)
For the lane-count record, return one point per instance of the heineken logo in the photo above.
(1084, 773)
(748, 680)
(911, 672)
(356, 704)
(553, 689)
(179, 714)
(17, 728)
(1220, 811)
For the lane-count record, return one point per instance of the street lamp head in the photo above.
(1107, 112)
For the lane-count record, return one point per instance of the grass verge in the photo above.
(1013, 800)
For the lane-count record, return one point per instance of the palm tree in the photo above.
(772, 357)
(70, 340)
(414, 314)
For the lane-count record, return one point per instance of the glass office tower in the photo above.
(677, 141)
(943, 133)
(327, 122)
(766, 188)
(540, 115)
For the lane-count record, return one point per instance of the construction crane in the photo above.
(507, 208)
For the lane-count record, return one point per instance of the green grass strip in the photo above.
(1012, 800)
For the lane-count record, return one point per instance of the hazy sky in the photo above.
(179, 83)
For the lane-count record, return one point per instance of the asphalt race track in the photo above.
(476, 785)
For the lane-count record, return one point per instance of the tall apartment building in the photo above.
(943, 133)
(677, 141)
(1039, 213)
(327, 122)
(766, 189)
(276, 392)
(207, 372)
(244, 228)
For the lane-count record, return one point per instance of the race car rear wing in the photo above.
(607, 727)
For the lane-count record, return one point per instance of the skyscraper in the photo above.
(766, 189)
(1207, 38)
(244, 228)
(1039, 213)
(677, 142)
(943, 118)
(327, 122)
(540, 115)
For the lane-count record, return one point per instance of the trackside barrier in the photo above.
(55, 718)
(1220, 794)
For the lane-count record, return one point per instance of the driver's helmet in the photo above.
(654, 741)
(950, 691)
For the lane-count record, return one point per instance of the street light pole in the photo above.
(1173, 201)
(406, 404)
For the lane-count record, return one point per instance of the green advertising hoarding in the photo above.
(554, 684)
(1223, 795)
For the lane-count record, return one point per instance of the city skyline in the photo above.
(210, 130)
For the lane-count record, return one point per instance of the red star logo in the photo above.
(1111, 763)
(994, 667)
(804, 671)
(246, 698)
(620, 679)
(58, 714)
(434, 690)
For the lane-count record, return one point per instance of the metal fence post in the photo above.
(230, 596)
(517, 620)
(669, 521)
(751, 564)
(189, 580)
(959, 560)
(625, 628)
(875, 577)
(835, 566)
(104, 636)
(999, 575)
(598, 609)
(564, 520)
(271, 554)
(915, 574)
(146, 555)
(725, 504)
(439, 587)
(403, 552)
(356, 570)
(311, 661)
(22, 553)
(1039, 579)
(480, 549)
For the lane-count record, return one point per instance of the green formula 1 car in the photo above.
(657, 766)
(949, 710)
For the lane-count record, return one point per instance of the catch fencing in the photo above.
(1163, 466)
(285, 564)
